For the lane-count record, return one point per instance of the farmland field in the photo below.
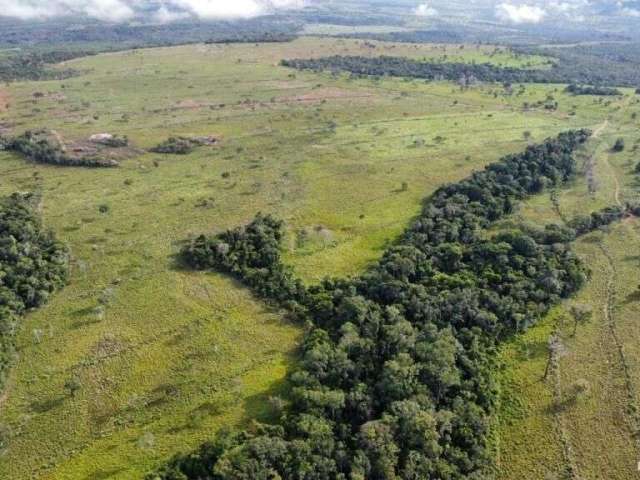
(165, 357)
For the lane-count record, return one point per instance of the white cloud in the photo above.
(425, 10)
(509, 12)
(223, 9)
(209, 9)
(123, 10)
(631, 12)
(108, 10)
(165, 15)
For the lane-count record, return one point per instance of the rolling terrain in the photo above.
(164, 357)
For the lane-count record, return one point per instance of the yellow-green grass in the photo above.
(598, 427)
(176, 355)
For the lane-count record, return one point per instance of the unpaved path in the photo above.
(4, 100)
(600, 128)
(615, 179)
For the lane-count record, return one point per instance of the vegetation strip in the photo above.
(464, 73)
(44, 150)
(33, 264)
(395, 379)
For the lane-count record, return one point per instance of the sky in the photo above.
(164, 11)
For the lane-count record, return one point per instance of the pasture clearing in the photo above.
(164, 357)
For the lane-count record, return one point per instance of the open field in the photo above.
(165, 357)
(545, 425)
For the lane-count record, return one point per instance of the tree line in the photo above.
(466, 73)
(576, 89)
(395, 376)
(33, 264)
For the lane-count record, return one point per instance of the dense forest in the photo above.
(395, 375)
(33, 264)
(105, 36)
(466, 73)
(605, 63)
(42, 150)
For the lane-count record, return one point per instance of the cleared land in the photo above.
(165, 357)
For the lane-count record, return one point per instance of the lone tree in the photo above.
(619, 145)
(581, 314)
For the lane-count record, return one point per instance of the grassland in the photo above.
(166, 357)
(545, 425)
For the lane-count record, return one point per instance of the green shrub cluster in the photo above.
(41, 150)
(583, 224)
(177, 146)
(592, 90)
(32, 265)
(395, 375)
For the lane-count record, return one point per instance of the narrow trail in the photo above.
(632, 413)
(572, 472)
(560, 423)
(4, 100)
(601, 128)
(615, 179)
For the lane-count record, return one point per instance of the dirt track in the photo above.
(4, 100)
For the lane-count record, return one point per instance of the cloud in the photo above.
(508, 12)
(425, 10)
(165, 15)
(123, 10)
(630, 12)
(107, 10)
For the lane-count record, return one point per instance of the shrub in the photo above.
(176, 146)
(619, 145)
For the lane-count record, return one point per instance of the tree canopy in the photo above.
(394, 379)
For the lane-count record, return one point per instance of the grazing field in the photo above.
(164, 357)
(583, 418)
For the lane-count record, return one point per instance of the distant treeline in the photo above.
(45, 43)
(431, 70)
(35, 65)
(616, 64)
(413, 36)
(104, 36)
(406, 67)
(267, 37)
(591, 90)
(395, 378)
(33, 264)
(42, 150)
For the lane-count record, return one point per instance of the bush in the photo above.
(619, 145)
(176, 146)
